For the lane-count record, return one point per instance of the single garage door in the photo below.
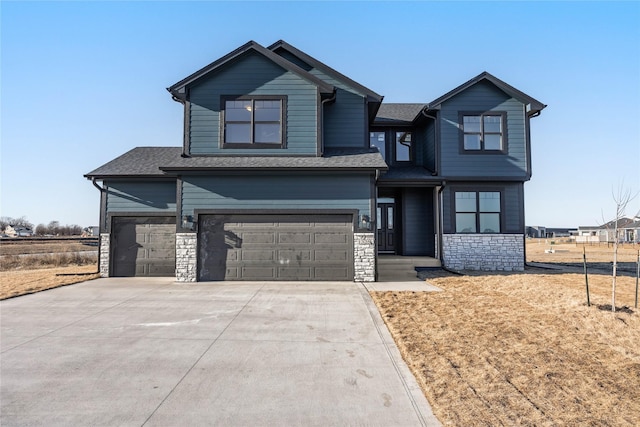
(143, 246)
(275, 247)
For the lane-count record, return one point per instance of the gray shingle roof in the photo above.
(162, 161)
(141, 161)
(398, 113)
(408, 173)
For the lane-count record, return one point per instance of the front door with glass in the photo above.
(386, 227)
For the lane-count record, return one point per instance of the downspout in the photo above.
(435, 145)
(440, 221)
(322, 103)
(183, 102)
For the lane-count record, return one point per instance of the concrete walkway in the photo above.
(153, 352)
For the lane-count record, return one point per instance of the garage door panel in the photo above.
(331, 255)
(292, 237)
(323, 237)
(258, 255)
(143, 246)
(332, 273)
(275, 247)
(290, 255)
(254, 237)
(257, 273)
(300, 273)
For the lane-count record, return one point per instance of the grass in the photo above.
(20, 282)
(27, 267)
(523, 348)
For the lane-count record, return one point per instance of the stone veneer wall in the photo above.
(483, 251)
(186, 258)
(104, 254)
(364, 257)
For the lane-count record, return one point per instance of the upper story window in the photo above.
(403, 146)
(399, 147)
(483, 132)
(255, 122)
(378, 140)
(477, 211)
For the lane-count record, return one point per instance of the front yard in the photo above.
(523, 348)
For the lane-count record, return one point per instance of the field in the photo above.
(524, 348)
(27, 267)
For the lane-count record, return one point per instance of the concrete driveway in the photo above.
(153, 352)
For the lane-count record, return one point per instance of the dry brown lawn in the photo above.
(47, 264)
(21, 282)
(523, 348)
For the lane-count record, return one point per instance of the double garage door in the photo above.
(275, 247)
(143, 246)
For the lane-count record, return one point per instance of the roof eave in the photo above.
(535, 105)
(371, 95)
(231, 56)
(270, 169)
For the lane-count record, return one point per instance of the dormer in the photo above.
(252, 102)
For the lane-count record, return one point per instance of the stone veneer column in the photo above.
(104, 254)
(364, 257)
(186, 244)
(488, 252)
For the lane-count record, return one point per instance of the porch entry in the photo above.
(386, 225)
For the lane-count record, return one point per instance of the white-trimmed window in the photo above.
(256, 122)
(477, 211)
(483, 132)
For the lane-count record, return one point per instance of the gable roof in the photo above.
(154, 162)
(399, 114)
(535, 105)
(177, 89)
(371, 95)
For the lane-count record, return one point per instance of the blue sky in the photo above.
(83, 82)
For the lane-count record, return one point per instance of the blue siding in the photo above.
(513, 204)
(276, 192)
(253, 74)
(418, 222)
(345, 121)
(483, 97)
(430, 146)
(144, 197)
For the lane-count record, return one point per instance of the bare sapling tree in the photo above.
(621, 197)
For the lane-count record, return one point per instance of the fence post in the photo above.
(586, 278)
(637, 276)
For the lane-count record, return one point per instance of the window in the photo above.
(377, 139)
(403, 146)
(253, 122)
(483, 132)
(477, 211)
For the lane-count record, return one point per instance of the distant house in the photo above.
(290, 170)
(91, 231)
(18, 231)
(546, 232)
(628, 232)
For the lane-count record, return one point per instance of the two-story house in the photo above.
(290, 170)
